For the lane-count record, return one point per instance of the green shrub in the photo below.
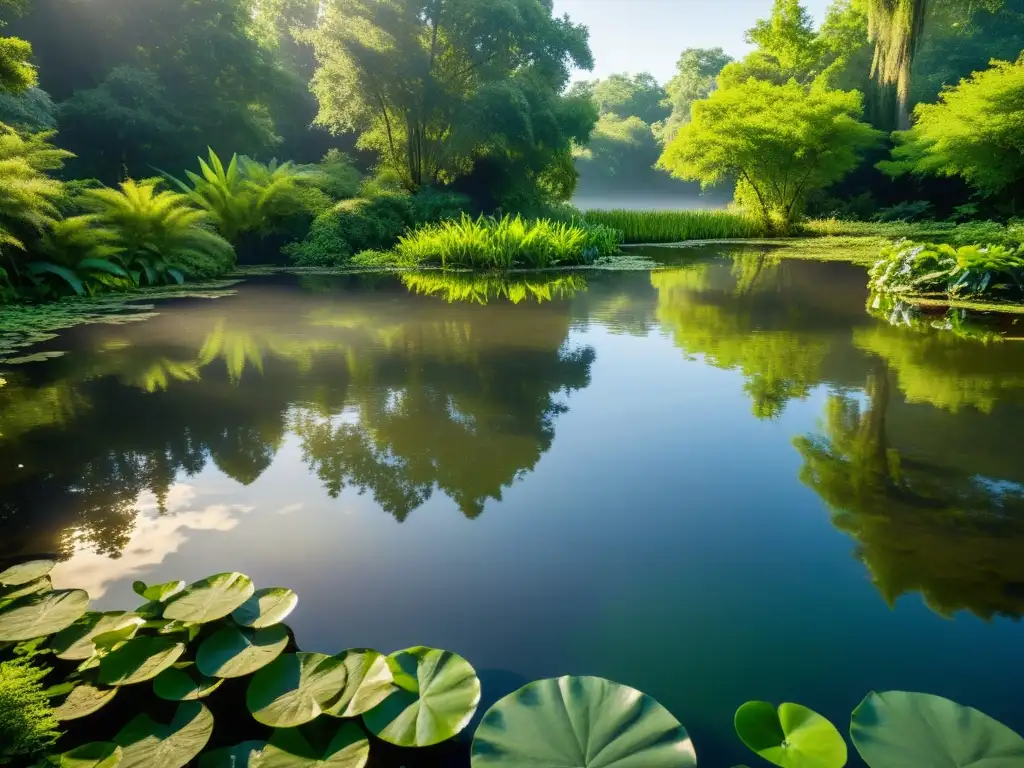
(677, 226)
(506, 243)
(908, 210)
(335, 176)
(970, 270)
(28, 726)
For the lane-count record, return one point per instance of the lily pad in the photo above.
(238, 756)
(23, 573)
(313, 747)
(231, 652)
(210, 599)
(266, 607)
(294, 688)
(40, 615)
(138, 660)
(792, 737)
(158, 592)
(98, 754)
(436, 695)
(83, 701)
(369, 682)
(897, 729)
(185, 684)
(148, 744)
(13, 592)
(76, 642)
(580, 722)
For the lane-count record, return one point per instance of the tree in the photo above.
(787, 49)
(778, 142)
(434, 85)
(627, 96)
(696, 72)
(16, 71)
(619, 147)
(973, 132)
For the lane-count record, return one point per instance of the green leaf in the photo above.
(138, 660)
(186, 684)
(23, 573)
(98, 754)
(40, 615)
(103, 265)
(158, 592)
(369, 682)
(148, 744)
(231, 652)
(266, 607)
(315, 746)
(210, 599)
(42, 584)
(83, 701)
(77, 642)
(897, 729)
(437, 694)
(45, 267)
(238, 756)
(293, 688)
(792, 737)
(582, 722)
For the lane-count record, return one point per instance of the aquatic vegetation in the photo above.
(185, 642)
(677, 226)
(971, 270)
(901, 313)
(481, 288)
(506, 243)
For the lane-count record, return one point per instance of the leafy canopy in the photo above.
(696, 73)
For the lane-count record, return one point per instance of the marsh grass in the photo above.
(677, 226)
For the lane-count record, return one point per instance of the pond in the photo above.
(720, 481)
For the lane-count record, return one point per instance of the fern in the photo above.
(28, 726)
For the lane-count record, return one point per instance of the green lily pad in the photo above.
(76, 643)
(897, 729)
(580, 722)
(436, 695)
(293, 688)
(138, 660)
(23, 573)
(148, 744)
(238, 756)
(231, 652)
(83, 701)
(315, 747)
(98, 754)
(792, 737)
(369, 682)
(158, 592)
(40, 615)
(13, 592)
(210, 599)
(185, 684)
(266, 607)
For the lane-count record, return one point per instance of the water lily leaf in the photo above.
(138, 660)
(580, 722)
(23, 573)
(210, 599)
(13, 592)
(40, 615)
(436, 695)
(315, 747)
(158, 592)
(293, 688)
(148, 744)
(897, 729)
(231, 652)
(369, 682)
(83, 701)
(266, 607)
(238, 756)
(792, 737)
(98, 754)
(77, 642)
(184, 684)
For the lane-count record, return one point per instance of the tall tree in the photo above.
(696, 73)
(626, 96)
(16, 71)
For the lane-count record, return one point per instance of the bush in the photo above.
(909, 210)
(677, 226)
(373, 224)
(970, 270)
(506, 243)
(27, 724)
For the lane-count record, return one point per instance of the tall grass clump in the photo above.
(677, 226)
(489, 243)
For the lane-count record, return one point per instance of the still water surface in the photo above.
(716, 482)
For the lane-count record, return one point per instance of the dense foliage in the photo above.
(678, 226)
(970, 270)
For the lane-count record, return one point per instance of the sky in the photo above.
(648, 35)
